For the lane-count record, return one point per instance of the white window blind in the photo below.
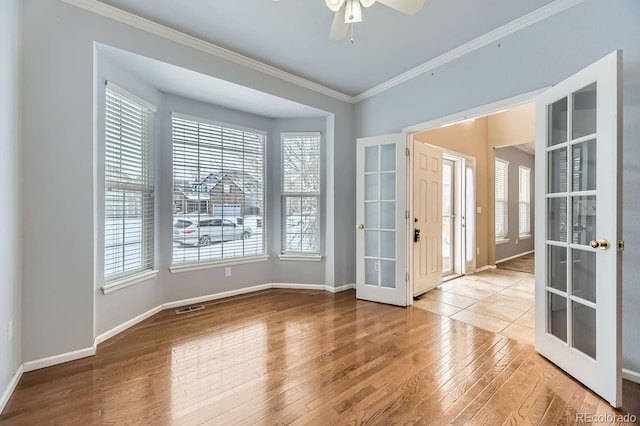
(129, 205)
(502, 208)
(218, 191)
(524, 201)
(300, 193)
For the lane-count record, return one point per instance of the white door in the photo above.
(578, 264)
(380, 214)
(427, 217)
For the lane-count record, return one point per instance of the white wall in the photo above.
(10, 191)
(59, 151)
(533, 58)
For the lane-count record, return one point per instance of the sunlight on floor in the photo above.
(496, 300)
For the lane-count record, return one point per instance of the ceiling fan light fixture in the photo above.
(353, 12)
(334, 5)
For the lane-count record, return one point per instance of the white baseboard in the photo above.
(82, 353)
(514, 256)
(122, 327)
(215, 296)
(58, 359)
(10, 388)
(631, 375)
(341, 288)
(484, 268)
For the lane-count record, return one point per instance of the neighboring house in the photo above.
(233, 193)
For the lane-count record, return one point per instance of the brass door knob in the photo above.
(599, 244)
(361, 226)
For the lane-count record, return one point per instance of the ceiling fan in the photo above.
(347, 12)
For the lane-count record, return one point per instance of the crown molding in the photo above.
(152, 27)
(525, 21)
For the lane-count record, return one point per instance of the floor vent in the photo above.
(188, 309)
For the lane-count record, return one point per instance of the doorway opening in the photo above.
(479, 224)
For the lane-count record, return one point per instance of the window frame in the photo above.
(286, 195)
(225, 261)
(527, 203)
(128, 277)
(504, 236)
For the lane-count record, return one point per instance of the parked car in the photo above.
(205, 231)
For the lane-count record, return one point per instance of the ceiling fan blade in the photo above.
(339, 28)
(410, 7)
(334, 5)
(367, 3)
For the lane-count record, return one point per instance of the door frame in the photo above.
(465, 115)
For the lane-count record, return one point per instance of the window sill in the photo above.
(301, 257)
(128, 282)
(524, 236)
(503, 241)
(217, 264)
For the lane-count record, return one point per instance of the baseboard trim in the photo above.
(13, 384)
(216, 296)
(128, 324)
(59, 359)
(83, 353)
(514, 257)
(484, 268)
(631, 375)
(341, 288)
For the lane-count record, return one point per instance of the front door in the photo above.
(427, 217)
(381, 268)
(578, 264)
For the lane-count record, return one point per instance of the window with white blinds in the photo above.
(502, 207)
(524, 201)
(300, 193)
(218, 191)
(128, 179)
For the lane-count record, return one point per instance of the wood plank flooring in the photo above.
(305, 357)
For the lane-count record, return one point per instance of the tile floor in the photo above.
(497, 300)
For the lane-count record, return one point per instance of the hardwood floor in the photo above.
(303, 357)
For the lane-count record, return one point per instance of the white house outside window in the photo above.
(128, 179)
(218, 191)
(502, 207)
(301, 193)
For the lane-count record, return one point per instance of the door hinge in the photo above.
(407, 151)
(406, 276)
(406, 214)
(621, 245)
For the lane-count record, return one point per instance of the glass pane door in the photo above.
(381, 234)
(448, 217)
(380, 219)
(571, 161)
(578, 264)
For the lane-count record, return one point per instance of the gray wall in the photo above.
(59, 271)
(10, 190)
(516, 245)
(533, 58)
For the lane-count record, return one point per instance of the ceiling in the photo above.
(293, 35)
(204, 88)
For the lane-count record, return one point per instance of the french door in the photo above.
(578, 264)
(381, 246)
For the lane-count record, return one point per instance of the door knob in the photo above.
(599, 244)
(361, 226)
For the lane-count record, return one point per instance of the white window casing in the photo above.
(218, 192)
(501, 199)
(524, 201)
(301, 154)
(128, 187)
